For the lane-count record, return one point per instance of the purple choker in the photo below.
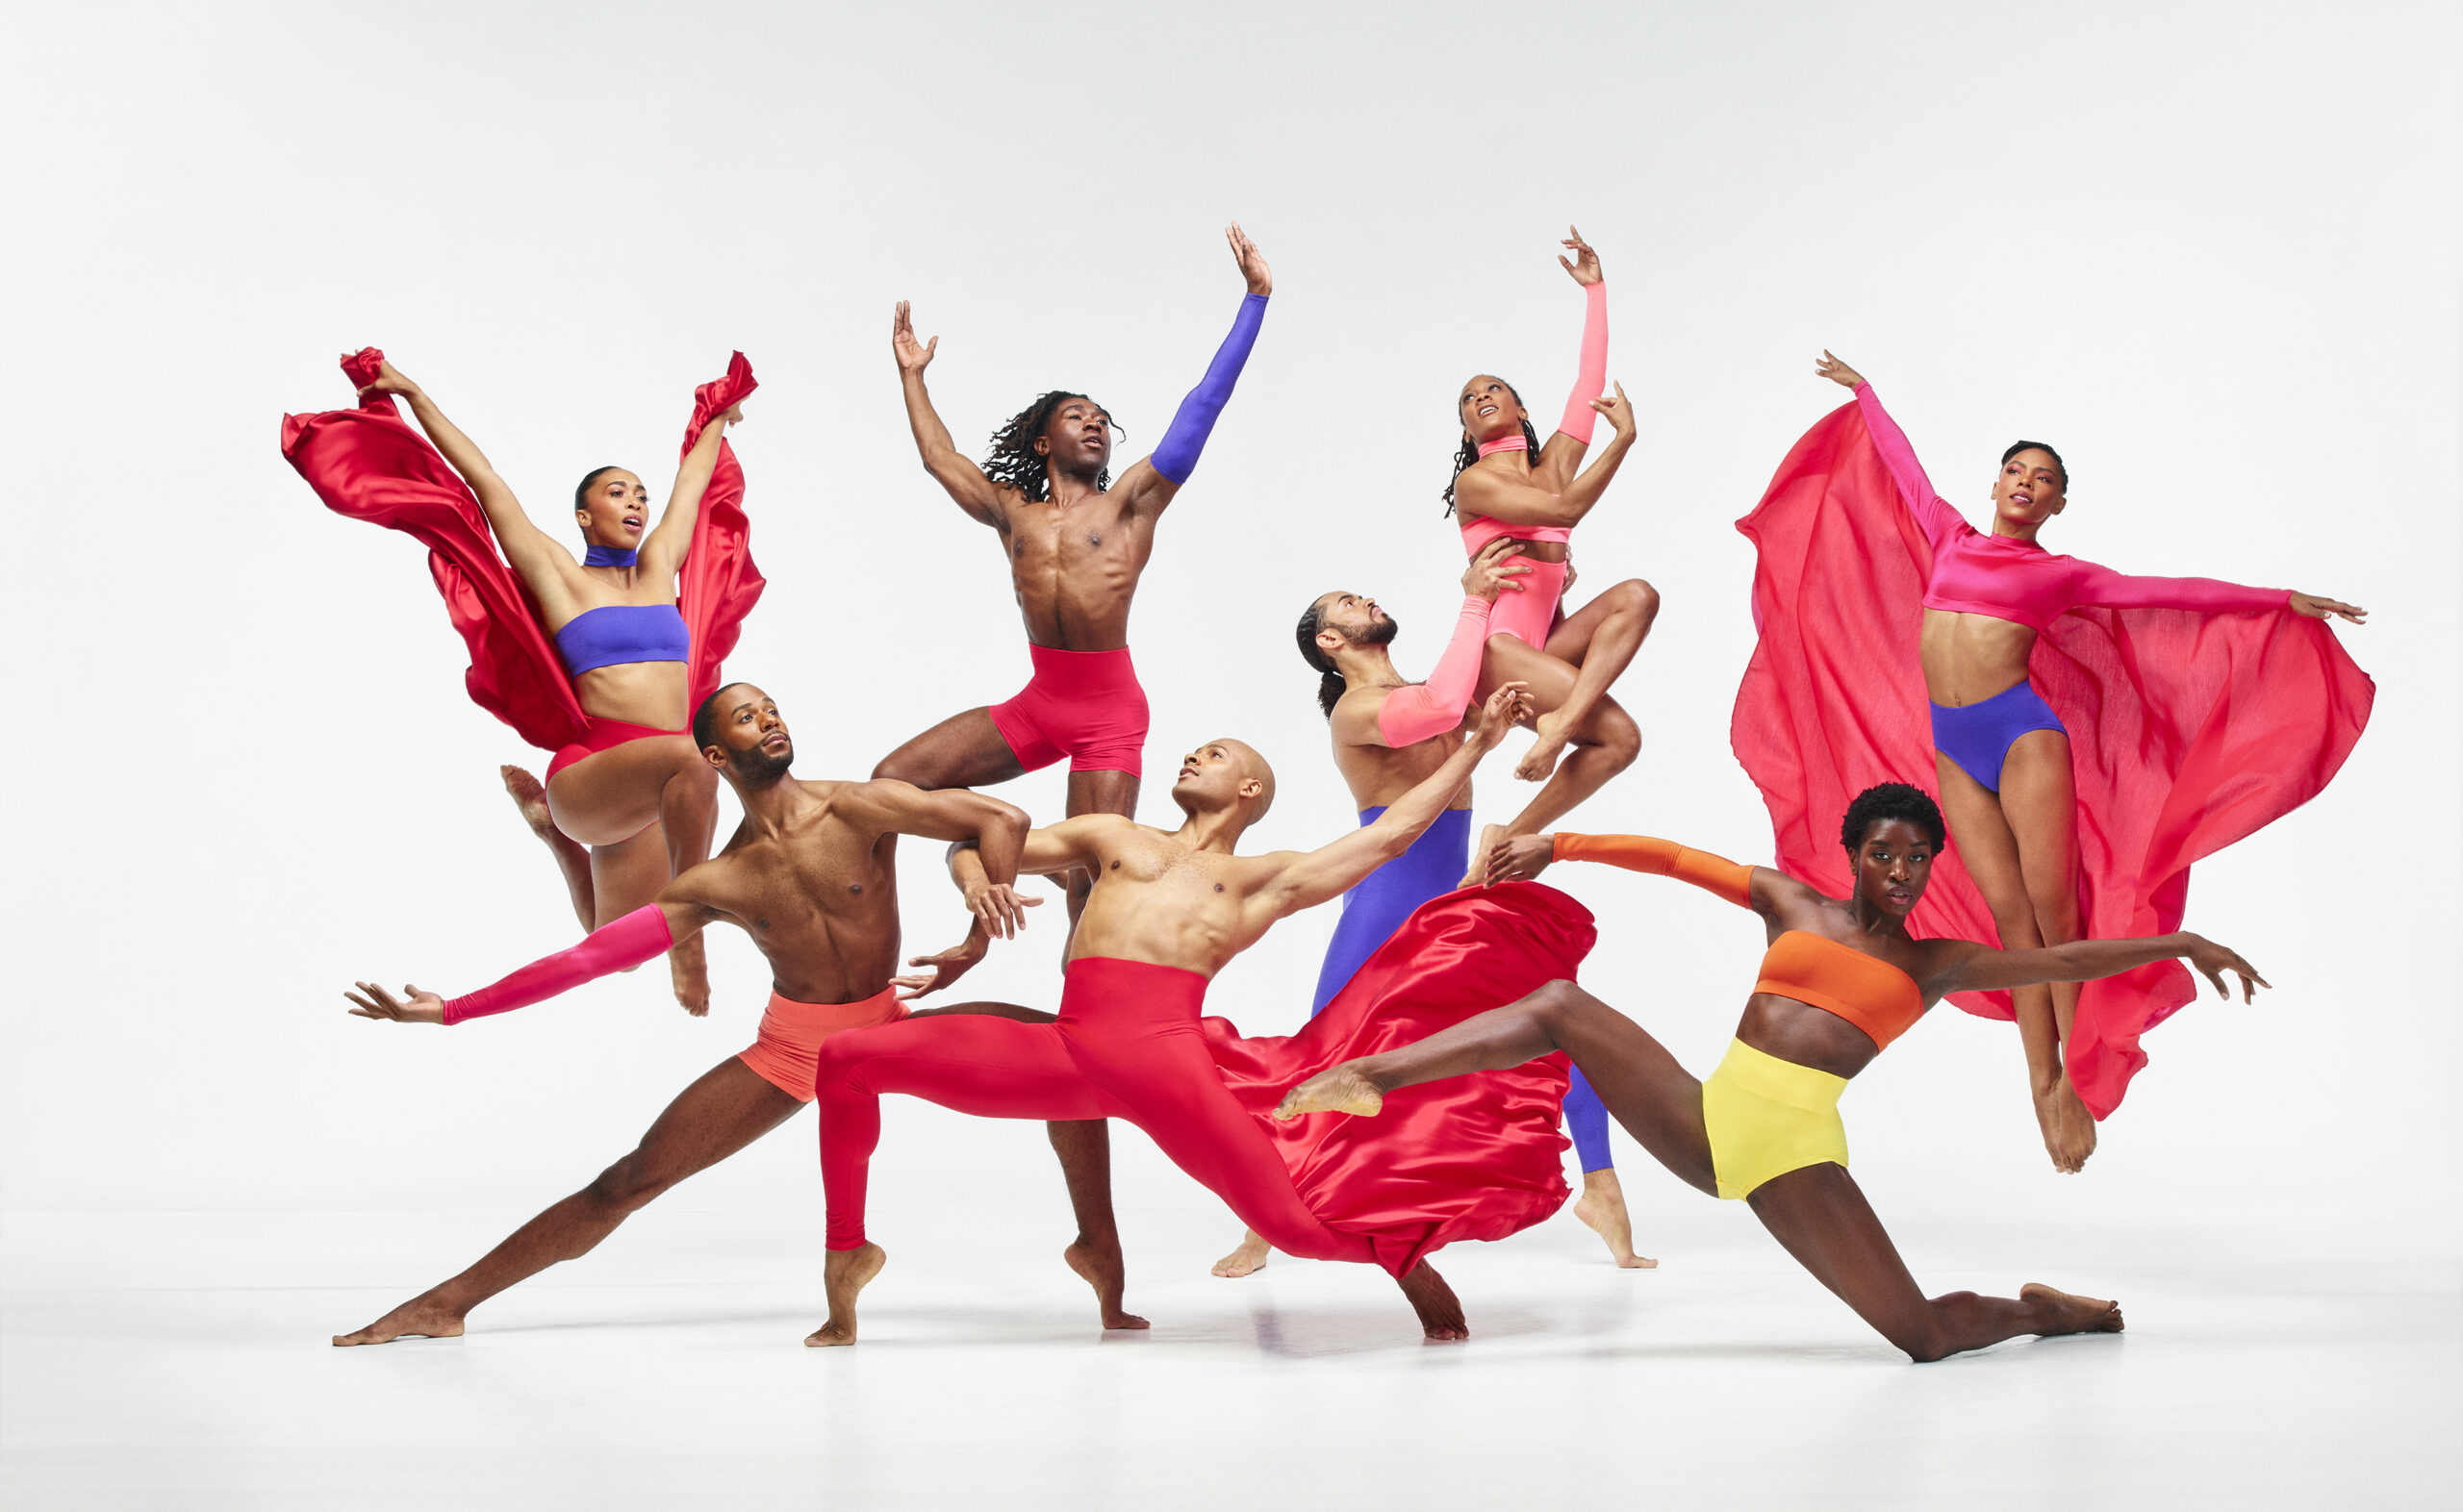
(609, 556)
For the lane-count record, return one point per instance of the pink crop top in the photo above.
(1974, 574)
(1479, 530)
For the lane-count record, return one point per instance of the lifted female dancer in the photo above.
(2157, 737)
(631, 655)
(1839, 981)
(1506, 483)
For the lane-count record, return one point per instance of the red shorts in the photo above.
(602, 735)
(788, 1048)
(1084, 705)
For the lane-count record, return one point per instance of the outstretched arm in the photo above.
(993, 833)
(1760, 889)
(2103, 586)
(951, 467)
(1152, 483)
(663, 549)
(1931, 513)
(1590, 378)
(644, 933)
(1311, 878)
(1972, 968)
(1408, 715)
(542, 562)
(1480, 491)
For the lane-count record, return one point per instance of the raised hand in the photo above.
(1519, 858)
(2213, 960)
(1838, 372)
(1000, 910)
(422, 1007)
(1505, 708)
(1585, 264)
(388, 380)
(2316, 608)
(1252, 263)
(913, 356)
(1618, 410)
(1494, 570)
(947, 967)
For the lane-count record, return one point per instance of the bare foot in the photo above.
(2068, 1128)
(1539, 761)
(1490, 835)
(688, 967)
(1099, 1267)
(1342, 1089)
(846, 1272)
(531, 799)
(422, 1317)
(1247, 1260)
(1440, 1310)
(2071, 1314)
(1601, 1208)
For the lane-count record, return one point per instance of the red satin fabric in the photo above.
(1471, 1157)
(2186, 730)
(370, 464)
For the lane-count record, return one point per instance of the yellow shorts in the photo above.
(1767, 1116)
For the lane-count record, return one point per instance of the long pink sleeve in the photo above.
(628, 942)
(2104, 588)
(1411, 715)
(1933, 514)
(1591, 379)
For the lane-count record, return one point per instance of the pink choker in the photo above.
(1504, 444)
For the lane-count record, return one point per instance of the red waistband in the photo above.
(1105, 983)
(783, 1013)
(602, 735)
(1084, 668)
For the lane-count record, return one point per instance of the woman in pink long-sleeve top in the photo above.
(2091, 733)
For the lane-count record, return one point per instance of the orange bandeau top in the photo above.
(1868, 991)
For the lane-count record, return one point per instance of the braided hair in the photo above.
(1329, 682)
(1469, 451)
(1013, 462)
(2058, 466)
(1891, 800)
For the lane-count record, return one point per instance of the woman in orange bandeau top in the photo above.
(1839, 981)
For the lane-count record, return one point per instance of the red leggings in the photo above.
(1127, 1046)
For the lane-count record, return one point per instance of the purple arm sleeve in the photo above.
(1935, 519)
(1411, 715)
(628, 942)
(1176, 456)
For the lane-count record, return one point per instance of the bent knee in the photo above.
(1559, 999)
(1635, 596)
(1613, 731)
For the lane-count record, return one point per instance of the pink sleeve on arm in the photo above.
(1590, 380)
(2104, 588)
(628, 942)
(1411, 715)
(1939, 522)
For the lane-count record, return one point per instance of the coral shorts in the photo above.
(789, 1046)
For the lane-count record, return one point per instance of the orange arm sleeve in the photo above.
(1663, 858)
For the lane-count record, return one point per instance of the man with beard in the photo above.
(811, 876)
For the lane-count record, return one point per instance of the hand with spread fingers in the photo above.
(423, 1007)
(2213, 960)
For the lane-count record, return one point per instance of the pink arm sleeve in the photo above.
(1935, 517)
(1590, 380)
(2107, 588)
(1411, 715)
(628, 942)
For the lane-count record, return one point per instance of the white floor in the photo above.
(666, 1372)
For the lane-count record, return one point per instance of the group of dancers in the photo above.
(2090, 736)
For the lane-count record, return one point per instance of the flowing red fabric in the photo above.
(2186, 730)
(370, 464)
(1469, 1157)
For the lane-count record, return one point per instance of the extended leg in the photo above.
(727, 1109)
(2040, 799)
(573, 858)
(1820, 1216)
(1599, 640)
(612, 796)
(1601, 1207)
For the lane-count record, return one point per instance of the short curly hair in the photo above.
(706, 718)
(1891, 800)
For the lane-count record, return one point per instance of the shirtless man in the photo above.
(811, 876)
(1168, 909)
(1390, 734)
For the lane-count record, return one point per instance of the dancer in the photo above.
(811, 877)
(1842, 978)
(2091, 734)
(629, 802)
(1169, 909)
(1506, 486)
(1075, 547)
(1388, 735)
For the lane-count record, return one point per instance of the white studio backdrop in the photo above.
(2211, 252)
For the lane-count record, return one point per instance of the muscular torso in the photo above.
(1074, 567)
(1158, 900)
(1379, 775)
(1969, 658)
(819, 899)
